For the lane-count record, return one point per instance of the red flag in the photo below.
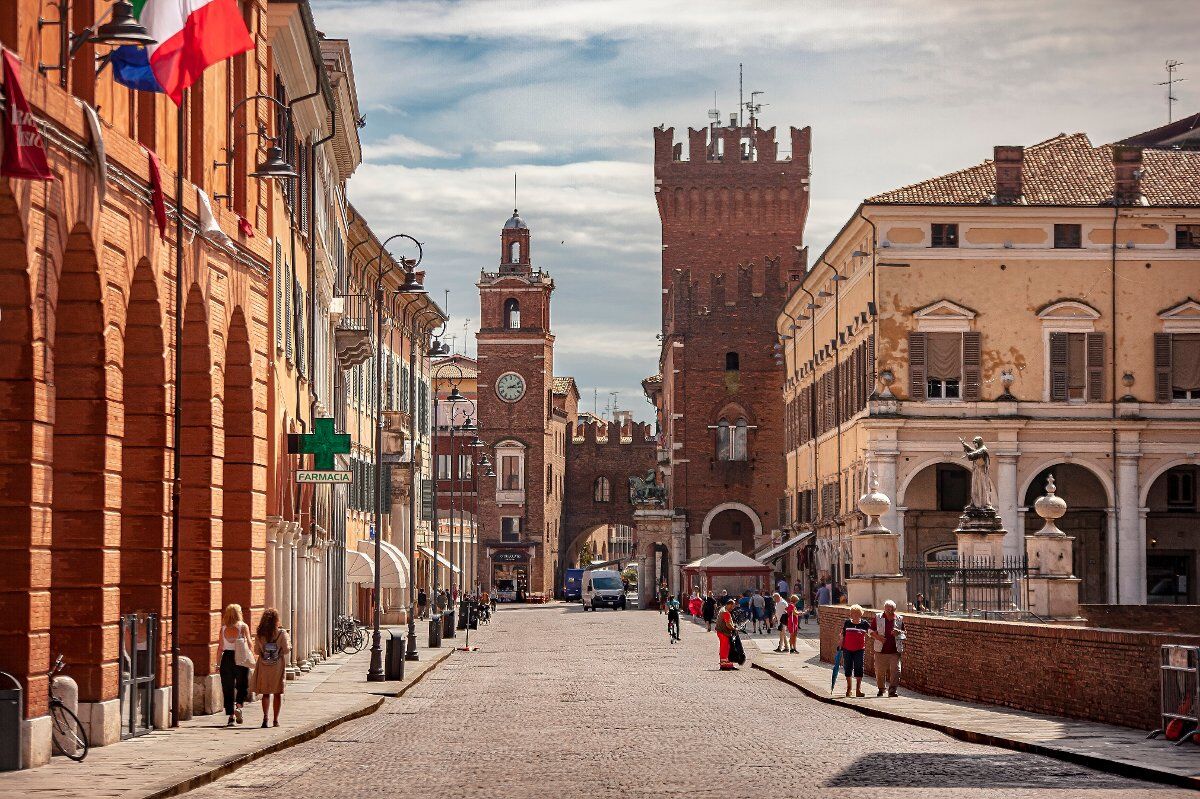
(245, 226)
(156, 195)
(24, 148)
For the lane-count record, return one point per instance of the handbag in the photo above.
(736, 653)
(241, 651)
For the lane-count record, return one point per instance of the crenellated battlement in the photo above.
(748, 287)
(732, 146)
(596, 431)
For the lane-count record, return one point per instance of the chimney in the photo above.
(1009, 161)
(1127, 174)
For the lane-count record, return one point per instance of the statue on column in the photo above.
(983, 492)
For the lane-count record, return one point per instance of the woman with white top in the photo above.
(235, 651)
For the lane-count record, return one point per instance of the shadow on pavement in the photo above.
(903, 769)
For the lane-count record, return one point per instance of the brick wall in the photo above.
(1110, 676)
(1155, 618)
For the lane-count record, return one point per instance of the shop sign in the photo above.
(322, 476)
(510, 557)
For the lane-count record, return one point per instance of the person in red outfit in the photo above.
(854, 644)
(725, 633)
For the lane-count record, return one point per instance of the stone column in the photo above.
(652, 525)
(678, 555)
(1008, 502)
(1131, 536)
(883, 465)
(272, 589)
(290, 618)
(1052, 588)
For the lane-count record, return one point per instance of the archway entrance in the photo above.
(1086, 521)
(1172, 518)
(933, 501)
(731, 530)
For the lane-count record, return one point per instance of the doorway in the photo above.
(1168, 578)
(511, 581)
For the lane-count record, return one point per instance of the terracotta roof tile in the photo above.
(1065, 170)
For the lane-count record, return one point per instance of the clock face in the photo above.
(510, 387)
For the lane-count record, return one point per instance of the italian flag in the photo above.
(192, 35)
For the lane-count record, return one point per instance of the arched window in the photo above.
(514, 252)
(731, 362)
(601, 491)
(512, 314)
(737, 446)
(731, 440)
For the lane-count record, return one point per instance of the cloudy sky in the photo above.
(459, 95)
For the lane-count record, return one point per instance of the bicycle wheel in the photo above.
(351, 642)
(70, 739)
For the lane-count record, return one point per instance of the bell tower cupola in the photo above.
(514, 246)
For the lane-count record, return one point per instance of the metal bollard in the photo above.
(448, 623)
(11, 711)
(435, 630)
(463, 614)
(393, 662)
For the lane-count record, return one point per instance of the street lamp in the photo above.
(273, 165)
(375, 671)
(443, 625)
(117, 27)
(838, 277)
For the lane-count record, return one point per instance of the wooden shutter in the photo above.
(870, 387)
(1095, 367)
(1058, 366)
(972, 365)
(1162, 367)
(917, 388)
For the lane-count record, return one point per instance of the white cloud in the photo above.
(517, 147)
(397, 145)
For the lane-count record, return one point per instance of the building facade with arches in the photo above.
(1042, 300)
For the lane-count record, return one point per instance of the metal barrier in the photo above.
(12, 714)
(969, 586)
(1180, 687)
(139, 667)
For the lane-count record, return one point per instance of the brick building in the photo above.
(733, 218)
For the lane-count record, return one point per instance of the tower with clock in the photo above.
(522, 420)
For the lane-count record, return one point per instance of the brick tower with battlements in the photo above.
(733, 217)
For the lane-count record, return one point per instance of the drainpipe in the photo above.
(1116, 505)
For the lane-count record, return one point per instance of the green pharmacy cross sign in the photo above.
(322, 443)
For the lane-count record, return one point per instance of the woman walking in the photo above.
(725, 634)
(235, 662)
(854, 645)
(792, 621)
(271, 646)
(710, 611)
(780, 621)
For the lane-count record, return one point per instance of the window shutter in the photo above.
(1162, 367)
(972, 367)
(917, 387)
(870, 386)
(1095, 367)
(1058, 367)
(287, 309)
(279, 311)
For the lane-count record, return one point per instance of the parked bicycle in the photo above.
(69, 736)
(349, 635)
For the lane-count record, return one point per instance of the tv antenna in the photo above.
(714, 113)
(1172, 66)
(740, 98)
(753, 107)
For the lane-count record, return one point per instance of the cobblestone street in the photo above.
(560, 703)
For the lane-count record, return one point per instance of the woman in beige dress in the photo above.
(271, 646)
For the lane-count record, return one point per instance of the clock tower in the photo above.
(520, 510)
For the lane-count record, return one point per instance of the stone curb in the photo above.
(233, 764)
(1118, 767)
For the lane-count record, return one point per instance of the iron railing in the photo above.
(969, 586)
(139, 667)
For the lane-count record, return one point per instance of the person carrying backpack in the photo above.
(673, 618)
(271, 646)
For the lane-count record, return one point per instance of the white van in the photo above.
(602, 588)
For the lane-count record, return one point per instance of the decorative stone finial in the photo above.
(873, 505)
(1051, 508)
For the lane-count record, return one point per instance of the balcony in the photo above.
(352, 334)
(512, 496)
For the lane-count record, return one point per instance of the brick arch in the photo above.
(243, 539)
(24, 551)
(200, 505)
(85, 538)
(145, 527)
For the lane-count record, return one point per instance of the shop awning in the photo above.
(440, 559)
(779, 550)
(360, 568)
(393, 567)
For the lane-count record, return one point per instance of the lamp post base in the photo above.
(375, 671)
(410, 651)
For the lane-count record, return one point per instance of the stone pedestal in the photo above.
(980, 535)
(1052, 587)
(875, 552)
(652, 524)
